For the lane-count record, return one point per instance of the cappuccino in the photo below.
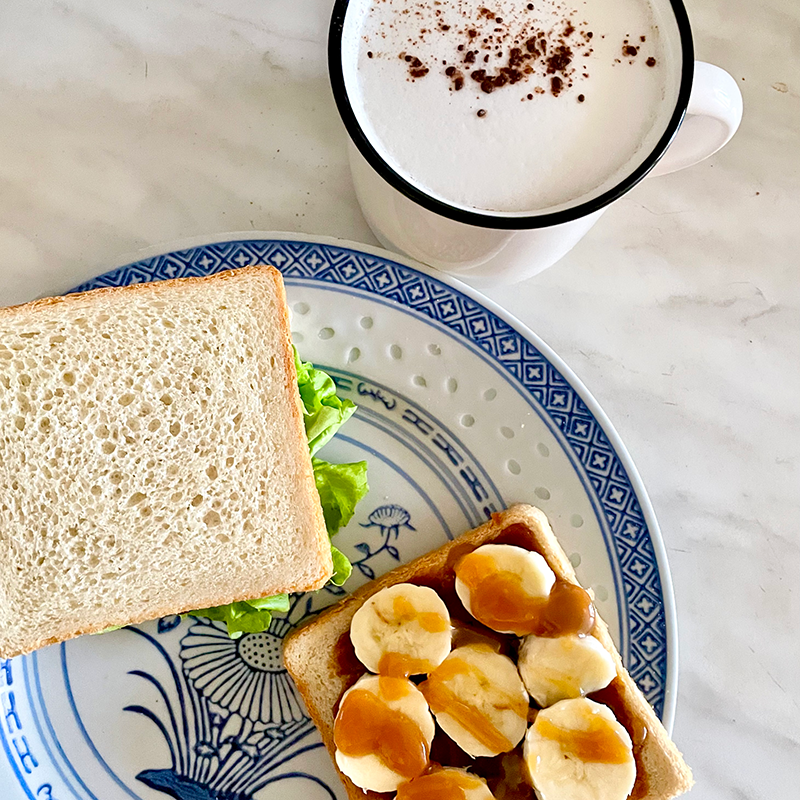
(510, 108)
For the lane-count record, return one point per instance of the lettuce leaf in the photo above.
(342, 568)
(324, 412)
(251, 616)
(340, 487)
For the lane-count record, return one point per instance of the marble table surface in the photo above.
(126, 125)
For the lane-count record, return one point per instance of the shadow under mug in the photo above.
(486, 247)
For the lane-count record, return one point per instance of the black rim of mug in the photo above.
(485, 220)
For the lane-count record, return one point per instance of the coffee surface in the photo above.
(510, 107)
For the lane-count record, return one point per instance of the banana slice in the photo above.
(383, 733)
(496, 583)
(568, 666)
(402, 630)
(577, 749)
(478, 700)
(447, 784)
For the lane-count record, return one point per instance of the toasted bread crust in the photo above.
(309, 655)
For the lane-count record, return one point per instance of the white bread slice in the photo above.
(320, 658)
(153, 458)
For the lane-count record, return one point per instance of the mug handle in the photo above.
(712, 117)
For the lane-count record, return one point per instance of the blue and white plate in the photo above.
(462, 410)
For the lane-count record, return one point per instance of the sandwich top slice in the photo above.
(153, 457)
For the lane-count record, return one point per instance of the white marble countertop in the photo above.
(125, 125)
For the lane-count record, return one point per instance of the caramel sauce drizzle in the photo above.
(443, 700)
(498, 599)
(401, 665)
(366, 725)
(598, 743)
(444, 784)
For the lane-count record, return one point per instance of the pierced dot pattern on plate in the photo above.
(419, 380)
(451, 384)
(434, 349)
(353, 355)
(575, 559)
(576, 520)
(507, 432)
(301, 308)
(490, 394)
(396, 352)
(366, 322)
(326, 333)
(543, 449)
(513, 467)
(542, 493)
(297, 337)
(467, 420)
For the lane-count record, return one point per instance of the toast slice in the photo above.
(320, 658)
(153, 457)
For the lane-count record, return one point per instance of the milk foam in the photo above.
(530, 145)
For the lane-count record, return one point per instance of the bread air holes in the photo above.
(212, 519)
(136, 498)
(175, 428)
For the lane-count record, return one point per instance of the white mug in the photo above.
(506, 249)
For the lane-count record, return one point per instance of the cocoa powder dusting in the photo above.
(511, 48)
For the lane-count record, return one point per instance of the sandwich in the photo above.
(157, 456)
(481, 670)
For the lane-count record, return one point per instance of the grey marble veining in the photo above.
(125, 126)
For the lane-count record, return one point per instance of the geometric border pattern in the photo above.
(646, 658)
